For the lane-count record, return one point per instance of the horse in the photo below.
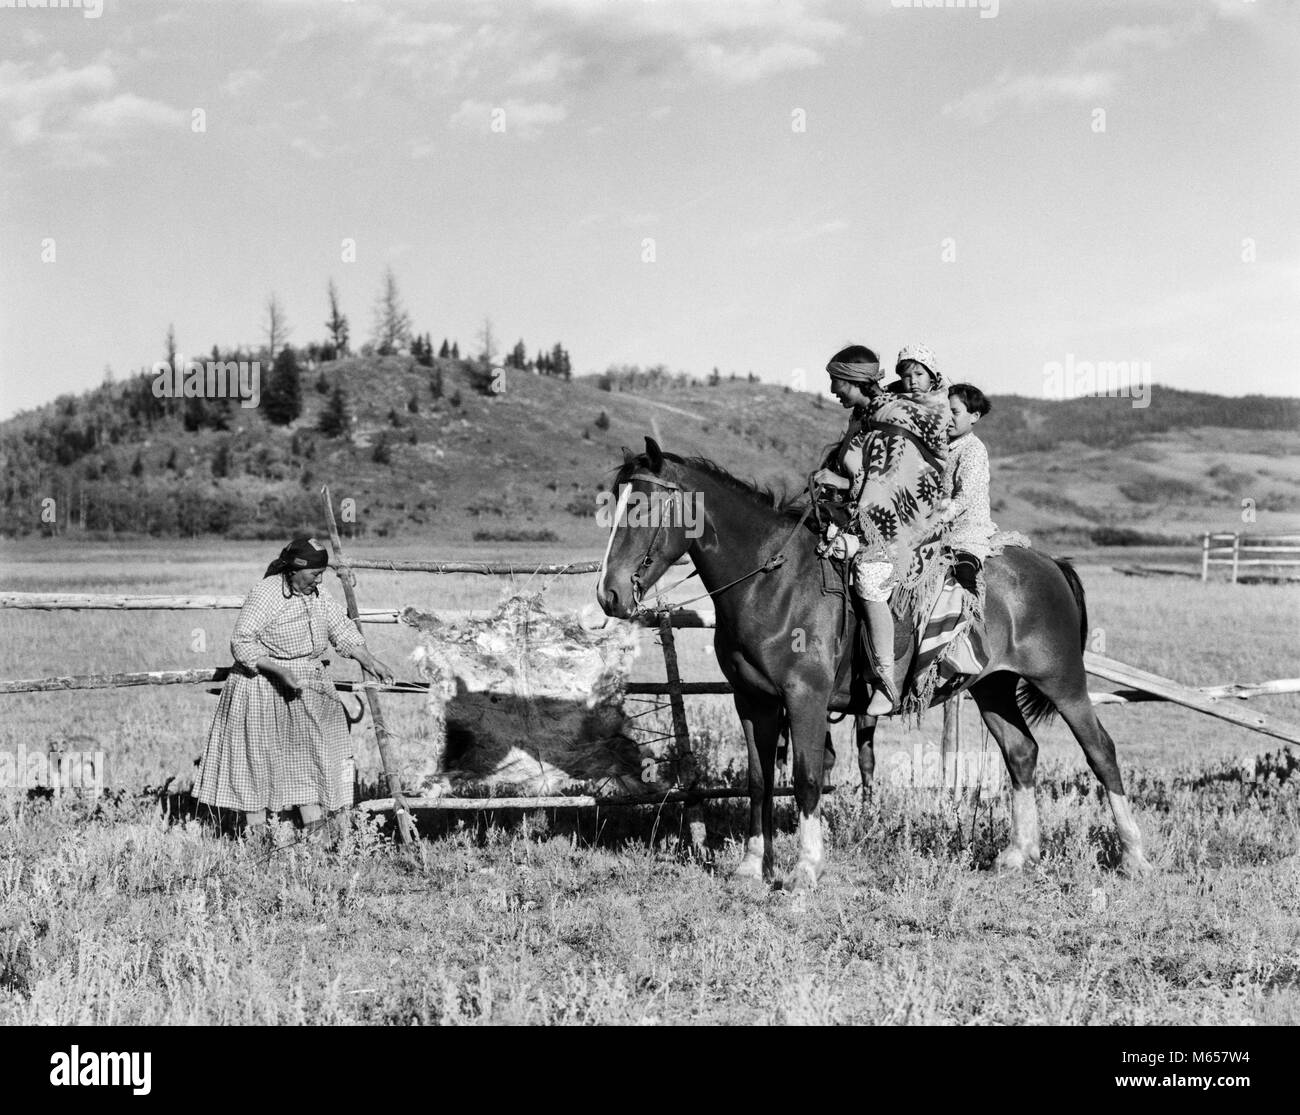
(779, 642)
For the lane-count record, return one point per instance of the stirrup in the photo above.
(879, 695)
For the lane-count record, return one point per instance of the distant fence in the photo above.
(1238, 551)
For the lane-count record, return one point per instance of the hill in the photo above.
(435, 452)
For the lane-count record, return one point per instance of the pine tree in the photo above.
(276, 325)
(392, 322)
(455, 350)
(334, 419)
(282, 399)
(337, 324)
(445, 351)
(520, 355)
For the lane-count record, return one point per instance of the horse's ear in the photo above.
(655, 454)
(628, 455)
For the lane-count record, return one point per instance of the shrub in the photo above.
(1161, 489)
(602, 421)
(509, 534)
(381, 454)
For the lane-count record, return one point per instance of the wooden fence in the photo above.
(1250, 551)
(1135, 685)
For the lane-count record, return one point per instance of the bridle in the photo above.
(647, 559)
(774, 561)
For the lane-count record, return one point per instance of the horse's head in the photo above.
(653, 517)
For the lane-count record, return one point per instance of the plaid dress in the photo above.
(265, 750)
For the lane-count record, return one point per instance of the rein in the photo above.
(773, 561)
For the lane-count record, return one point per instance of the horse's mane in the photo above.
(781, 501)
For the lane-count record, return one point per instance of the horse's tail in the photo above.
(1035, 706)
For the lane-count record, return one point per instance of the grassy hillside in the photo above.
(434, 452)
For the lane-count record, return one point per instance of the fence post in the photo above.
(1236, 555)
(1205, 557)
(681, 731)
(950, 750)
(406, 831)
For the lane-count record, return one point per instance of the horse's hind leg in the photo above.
(996, 698)
(761, 721)
(1099, 749)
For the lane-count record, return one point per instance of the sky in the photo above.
(748, 185)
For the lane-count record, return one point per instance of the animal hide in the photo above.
(523, 702)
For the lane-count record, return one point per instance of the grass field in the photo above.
(121, 917)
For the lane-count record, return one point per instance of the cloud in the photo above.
(744, 65)
(1094, 70)
(520, 118)
(553, 66)
(1029, 91)
(128, 110)
(70, 110)
(239, 82)
(793, 235)
(306, 147)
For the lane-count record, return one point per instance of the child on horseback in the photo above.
(891, 461)
(966, 519)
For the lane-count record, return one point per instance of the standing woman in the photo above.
(279, 738)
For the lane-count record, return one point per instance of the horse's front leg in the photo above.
(760, 717)
(807, 711)
(864, 728)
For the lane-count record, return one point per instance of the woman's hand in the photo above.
(274, 669)
(829, 478)
(380, 669)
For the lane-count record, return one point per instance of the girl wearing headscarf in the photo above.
(279, 738)
(891, 460)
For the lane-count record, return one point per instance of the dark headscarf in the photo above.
(301, 553)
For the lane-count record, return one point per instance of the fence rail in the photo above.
(1227, 549)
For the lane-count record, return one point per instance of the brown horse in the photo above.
(781, 643)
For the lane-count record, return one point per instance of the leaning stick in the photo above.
(405, 824)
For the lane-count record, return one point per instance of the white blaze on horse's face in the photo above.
(620, 514)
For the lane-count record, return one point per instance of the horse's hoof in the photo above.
(803, 877)
(749, 869)
(1135, 865)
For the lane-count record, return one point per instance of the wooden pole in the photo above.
(1205, 557)
(1236, 555)
(581, 801)
(405, 824)
(950, 750)
(681, 730)
(91, 602)
(484, 567)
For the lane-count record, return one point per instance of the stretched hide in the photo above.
(523, 702)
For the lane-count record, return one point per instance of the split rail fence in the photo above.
(1135, 685)
(1250, 552)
